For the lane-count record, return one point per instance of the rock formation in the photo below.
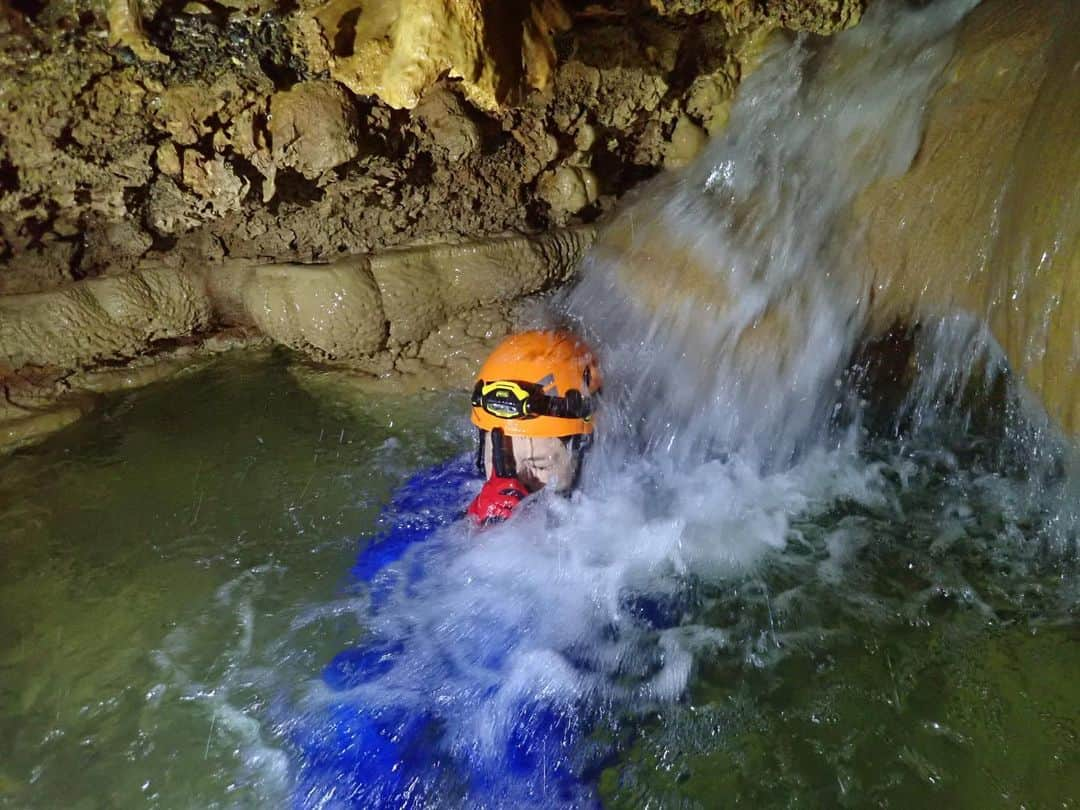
(187, 133)
(1000, 162)
(158, 161)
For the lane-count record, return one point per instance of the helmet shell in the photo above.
(555, 360)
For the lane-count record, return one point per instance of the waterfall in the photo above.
(726, 304)
(724, 296)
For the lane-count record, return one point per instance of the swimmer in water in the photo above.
(387, 738)
(533, 404)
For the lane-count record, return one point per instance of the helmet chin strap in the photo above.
(502, 457)
(505, 465)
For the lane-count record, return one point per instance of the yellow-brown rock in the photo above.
(444, 115)
(100, 319)
(396, 49)
(313, 127)
(818, 16)
(126, 28)
(214, 181)
(987, 220)
(328, 311)
(568, 189)
(687, 141)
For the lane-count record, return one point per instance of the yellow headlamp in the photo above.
(511, 399)
(503, 398)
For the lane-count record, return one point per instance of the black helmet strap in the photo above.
(502, 455)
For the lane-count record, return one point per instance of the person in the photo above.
(533, 405)
(379, 736)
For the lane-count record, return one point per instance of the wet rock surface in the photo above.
(1000, 165)
(428, 312)
(170, 170)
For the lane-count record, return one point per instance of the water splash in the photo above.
(723, 296)
(720, 303)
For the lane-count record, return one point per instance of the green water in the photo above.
(920, 652)
(152, 551)
(171, 569)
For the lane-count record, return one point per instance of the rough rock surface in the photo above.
(191, 133)
(397, 49)
(101, 319)
(166, 167)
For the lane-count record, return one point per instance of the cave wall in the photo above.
(186, 133)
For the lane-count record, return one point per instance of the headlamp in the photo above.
(512, 399)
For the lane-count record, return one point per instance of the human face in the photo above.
(539, 462)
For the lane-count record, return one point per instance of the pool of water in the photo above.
(152, 560)
(914, 648)
(173, 581)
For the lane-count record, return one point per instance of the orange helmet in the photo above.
(538, 384)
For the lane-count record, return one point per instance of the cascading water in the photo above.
(726, 302)
(755, 598)
(724, 307)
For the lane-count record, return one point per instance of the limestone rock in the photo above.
(987, 219)
(396, 49)
(168, 160)
(446, 118)
(817, 16)
(21, 425)
(313, 127)
(330, 312)
(709, 100)
(585, 137)
(169, 210)
(125, 28)
(185, 109)
(100, 319)
(214, 181)
(687, 141)
(423, 288)
(568, 189)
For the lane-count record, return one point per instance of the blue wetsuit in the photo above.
(384, 742)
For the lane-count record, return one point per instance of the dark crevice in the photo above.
(29, 8)
(590, 213)
(37, 228)
(75, 264)
(537, 215)
(618, 174)
(9, 177)
(492, 135)
(694, 58)
(276, 57)
(245, 169)
(422, 170)
(160, 242)
(293, 187)
(111, 362)
(205, 46)
(346, 34)
(65, 140)
(880, 373)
